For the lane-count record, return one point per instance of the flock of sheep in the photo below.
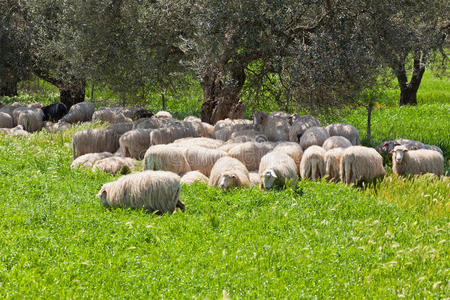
(271, 151)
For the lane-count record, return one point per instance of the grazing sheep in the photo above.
(9, 109)
(135, 142)
(110, 116)
(16, 113)
(228, 173)
(405, 162)
(88, 160)
(299, 126)
(387, 146)
(312, 165)
(208, 130)
(16, 131)
(250, 153)
(202, 159)
(163, 114)
(133, 112)
(114, 165)
(120, 128)
(336, 142)
(35, 105)
(150, 190)
(54, 112)
(166, 158)
(31, 120)
(55, 127)
(360, 163)
(333, 159)
(80, 112)
(345, 130)
(254, 179)
(147, 123)
(277, 169)
(194, 177)
(94, 141)
(199, 141)
(169, 134)
(275, 125)
(293, 150)
(224, 128)
(6, 121)
(313, 136)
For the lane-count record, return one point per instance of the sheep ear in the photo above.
(392, 151)
(100, 194)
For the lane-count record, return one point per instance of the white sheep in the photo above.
(202, 159)
(250, 153)
(312, 165)
(110, 115)
(9, 109)
(361, 163)
(31, 120)
(277, 169)
(148, 123)
(229, 172)
(135, 142)
(228, 146)
(16, 131)
(114, 165)
(299, 126)
(387, 146)
(194, 177)
(292, 149)
(166, 158)
(411, 162)
(169, 134)
(149, 190)
(16, 113)
(89, 159)
(313, 136)
(275, 125)
(163, 115)
(336, 142)
(333, 159)
(94, 141)
(346, 130)
(199, 141)
(224, 128)
(208, 130)
(80, 112)
(192, 119)
(55, 127)
(6, 121)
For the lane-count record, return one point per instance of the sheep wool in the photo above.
(31, 120)
(169, 134)
(254, 178)
(336, 142)
(346, 130)
(277, 169)
(228, 173)
(120, 128)
(93, 141)
(193, 177)
(6, 121)
(299, 125)
(333, 159)
(199, 141)
(312, 165)
(110, 116)
(250, 153)
(166, 158)
(80, 112)
(135, 142)
(88, 160)
(149, 190)
(147, 123)
(275, 125)
(201, 159)
(360, 163)
(163, 114)
(313, 136)
(114, 165)
(416, 162)
(292, 149)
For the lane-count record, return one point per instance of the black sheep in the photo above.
(54, 112)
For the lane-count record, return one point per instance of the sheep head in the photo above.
(398, 153)
(228, 180)
(268, 178)
(259, 117)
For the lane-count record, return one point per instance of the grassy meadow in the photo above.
(317, 240)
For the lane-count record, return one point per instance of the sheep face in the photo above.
(399, 153)
(259, 117)
(102, 196)
(268, 178)
(228, 181)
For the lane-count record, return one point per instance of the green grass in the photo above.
(318, 240)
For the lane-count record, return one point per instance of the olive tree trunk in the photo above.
(71, 94)
(221, 90)
(408, 90)
(8, 84)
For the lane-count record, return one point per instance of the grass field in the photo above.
(318, 240)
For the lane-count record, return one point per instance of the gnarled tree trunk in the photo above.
(221, 90)
(408, 90)
(72, 93)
